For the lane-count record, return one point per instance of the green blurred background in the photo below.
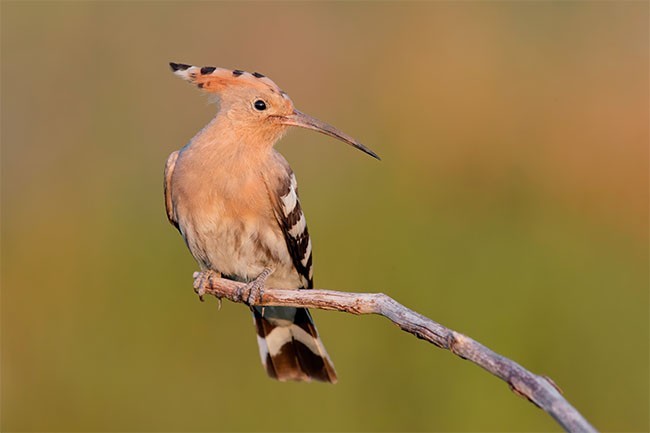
(511, 205)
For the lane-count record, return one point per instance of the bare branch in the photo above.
(539, 390)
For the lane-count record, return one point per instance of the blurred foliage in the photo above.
(511, 204)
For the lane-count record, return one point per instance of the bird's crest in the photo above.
(212, 79)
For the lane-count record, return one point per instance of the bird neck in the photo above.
(233, 143)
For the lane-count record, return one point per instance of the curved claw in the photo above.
(257, 284)
(203, 281)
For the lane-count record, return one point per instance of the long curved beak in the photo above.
(305, 121)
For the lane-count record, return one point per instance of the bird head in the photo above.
(251, 100)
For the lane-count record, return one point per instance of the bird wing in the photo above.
(169, 170)
(283, 191)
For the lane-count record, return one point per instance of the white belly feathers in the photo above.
(239, 247)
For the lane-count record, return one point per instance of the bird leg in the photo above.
(250, 291)
(203, 281)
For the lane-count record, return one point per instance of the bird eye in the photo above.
(259, 105)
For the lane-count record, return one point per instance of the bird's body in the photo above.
(234, 200)
(233, 228)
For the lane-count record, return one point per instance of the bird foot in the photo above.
(203, 281)
(251, 290)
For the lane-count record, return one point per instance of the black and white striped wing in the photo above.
(291, 219)
(290, 347)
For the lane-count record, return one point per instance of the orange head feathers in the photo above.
(256, 100)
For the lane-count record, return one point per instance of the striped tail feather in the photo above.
(289, 345)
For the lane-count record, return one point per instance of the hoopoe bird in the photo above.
(234, 200)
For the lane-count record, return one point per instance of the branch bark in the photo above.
(539, 390)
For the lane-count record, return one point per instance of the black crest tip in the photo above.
(207, 70)
(178, 66)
